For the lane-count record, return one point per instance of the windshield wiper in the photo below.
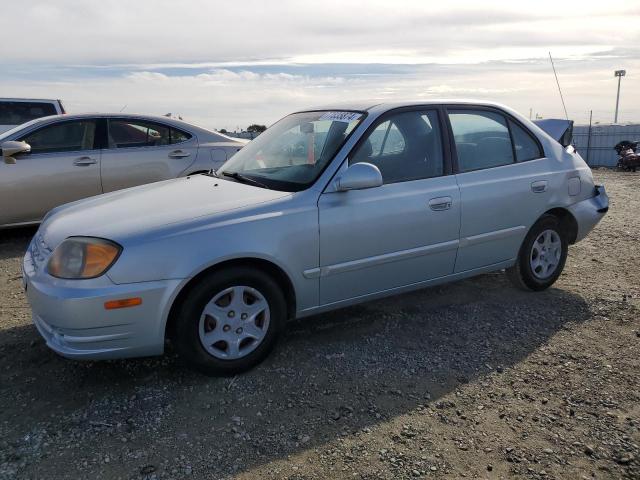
(244, 179)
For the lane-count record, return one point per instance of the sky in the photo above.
(229, 64)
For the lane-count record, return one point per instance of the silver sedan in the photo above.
(327, 208)
(58, 159)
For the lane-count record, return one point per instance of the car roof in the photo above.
(378, 106)
(180, 124)
(9, 99)
(159, 118)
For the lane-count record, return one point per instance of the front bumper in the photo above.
(71, 317)
(590, 211)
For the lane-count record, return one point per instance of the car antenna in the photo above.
(122, 109)
(558, 83)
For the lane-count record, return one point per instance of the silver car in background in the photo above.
(59, 159)
(327, 208)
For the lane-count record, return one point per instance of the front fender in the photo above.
(288, 240)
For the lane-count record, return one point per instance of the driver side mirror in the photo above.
(359, 176)
(11, 148)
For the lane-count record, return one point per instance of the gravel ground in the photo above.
(473, 379)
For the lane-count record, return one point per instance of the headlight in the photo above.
(83, 257)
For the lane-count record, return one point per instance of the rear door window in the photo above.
(135, 133)
(125, 133)
(68, 136)
(482, 139)
(178, 136)
(16, 113)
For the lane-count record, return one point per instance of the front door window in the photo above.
(404, 146)
(69, 136)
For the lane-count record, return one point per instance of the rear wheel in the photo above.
(542, 256)
(230, 321)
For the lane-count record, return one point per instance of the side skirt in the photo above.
(406, 288)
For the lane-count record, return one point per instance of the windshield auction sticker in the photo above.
(341, 116)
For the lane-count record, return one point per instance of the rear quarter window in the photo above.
(525, 146)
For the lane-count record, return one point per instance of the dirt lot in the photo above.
(473, 379)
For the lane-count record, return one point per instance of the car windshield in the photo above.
(291, 154)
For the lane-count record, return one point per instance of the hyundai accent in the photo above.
(327, 208)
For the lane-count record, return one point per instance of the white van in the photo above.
(16, 111)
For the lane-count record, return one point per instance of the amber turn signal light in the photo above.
(122, 303)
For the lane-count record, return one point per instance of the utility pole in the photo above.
(589, 136)
(619, 74)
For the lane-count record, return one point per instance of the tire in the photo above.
(542, 256)
(230, 321)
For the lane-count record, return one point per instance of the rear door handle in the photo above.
(440, 203)
(179, 154)
(84, 161)
(539, 186)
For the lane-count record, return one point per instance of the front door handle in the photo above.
(539, 186)
(440, 203)
(84, 161)
(179, 154)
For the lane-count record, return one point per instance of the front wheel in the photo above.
(542, 256)
(230, 321)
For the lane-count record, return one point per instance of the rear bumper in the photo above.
(75, 324)
(589, 212)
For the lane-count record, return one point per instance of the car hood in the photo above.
(122, 214)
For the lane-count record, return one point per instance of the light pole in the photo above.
(619, 74)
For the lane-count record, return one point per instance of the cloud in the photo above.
(115, 31)
(226, 64)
